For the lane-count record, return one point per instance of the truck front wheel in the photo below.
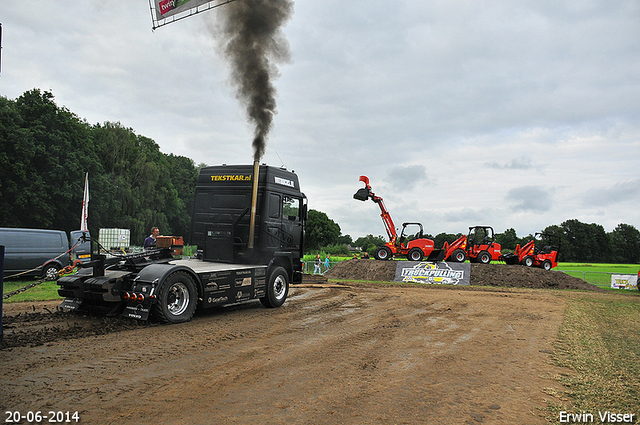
(177, 299)
(277, 288)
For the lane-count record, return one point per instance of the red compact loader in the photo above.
(478, 246)
(531, 256)
(414, 246)
(481, 247)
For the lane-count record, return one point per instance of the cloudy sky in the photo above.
(510, 114)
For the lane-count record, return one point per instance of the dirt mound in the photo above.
(481, 274)
(363, 270)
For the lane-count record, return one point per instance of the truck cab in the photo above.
(230, 266)
(221, 217)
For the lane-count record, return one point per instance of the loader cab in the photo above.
(410, 231)
(480, 235)
(222, 213)
(481, 247)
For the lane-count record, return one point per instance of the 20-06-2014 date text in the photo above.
(50, 416)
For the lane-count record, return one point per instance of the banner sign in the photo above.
(438, 273)
(624, 281)
(166, 11)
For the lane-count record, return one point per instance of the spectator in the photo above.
(326, 263)
(150, 242)
(317, 268)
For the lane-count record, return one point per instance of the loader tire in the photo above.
(546, 264)
(527, 261)
(277, 289)
(484, 257)
(382, 253)
(415, 254)
(459, 256)
(177, 299)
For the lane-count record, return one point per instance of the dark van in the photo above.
(35, 251)
(81, 250)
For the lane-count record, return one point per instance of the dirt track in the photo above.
(333, 354)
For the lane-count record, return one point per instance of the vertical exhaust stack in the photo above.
(254, 204)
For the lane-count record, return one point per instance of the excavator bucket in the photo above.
(362, 194)
(436, 255)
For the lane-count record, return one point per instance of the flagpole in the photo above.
(85, 205)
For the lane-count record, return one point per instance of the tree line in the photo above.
(45, 152)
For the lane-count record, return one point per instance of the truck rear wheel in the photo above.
(177, 299)
(277, 288)
(415, 254)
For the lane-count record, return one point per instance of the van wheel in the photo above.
(50, 272)
(277, 288)
(177, 299)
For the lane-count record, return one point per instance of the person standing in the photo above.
(316, 268)
(150, 241)
(326, 264)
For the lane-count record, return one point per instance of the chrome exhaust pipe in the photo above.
(254, 204)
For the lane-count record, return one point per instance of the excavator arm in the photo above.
(365, 193)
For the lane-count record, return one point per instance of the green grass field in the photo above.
(607, 268)
(44, 292)
(598, 344)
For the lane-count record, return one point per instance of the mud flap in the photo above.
(139, 312)
(71, 303)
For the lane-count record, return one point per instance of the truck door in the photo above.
(284, 226)
(291, 220)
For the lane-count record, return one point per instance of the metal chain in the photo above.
(17, 291)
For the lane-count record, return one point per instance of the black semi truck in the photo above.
(248, 223)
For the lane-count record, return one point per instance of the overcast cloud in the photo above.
(510, 114)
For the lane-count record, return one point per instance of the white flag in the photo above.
(85, 205)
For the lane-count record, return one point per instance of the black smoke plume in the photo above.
(251, 38)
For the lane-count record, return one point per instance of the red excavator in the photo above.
(531, 256)
(414, 246)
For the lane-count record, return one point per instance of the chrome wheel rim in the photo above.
(279, 287)
(177, 299)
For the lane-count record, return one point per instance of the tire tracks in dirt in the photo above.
(332, 354)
